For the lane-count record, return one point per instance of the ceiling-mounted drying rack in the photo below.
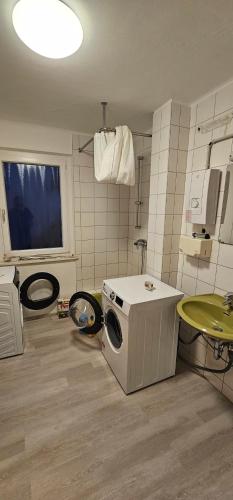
(106, 129)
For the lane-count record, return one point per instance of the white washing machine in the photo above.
(11, 317)
(140, 332)
(139, 328)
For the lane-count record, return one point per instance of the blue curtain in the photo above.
(34, 205)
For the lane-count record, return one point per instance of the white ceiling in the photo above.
(136, 54)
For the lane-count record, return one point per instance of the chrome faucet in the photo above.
(228, 302)
(141, 243)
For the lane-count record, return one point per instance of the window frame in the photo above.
(66, 192)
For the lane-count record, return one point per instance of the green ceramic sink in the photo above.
(207, 314)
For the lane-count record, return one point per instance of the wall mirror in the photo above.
(226, 228)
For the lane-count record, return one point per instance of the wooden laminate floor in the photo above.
(68, 432)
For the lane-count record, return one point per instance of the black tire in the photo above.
(97, 309)
(38, 304)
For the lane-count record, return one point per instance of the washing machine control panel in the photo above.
(115, 299)
(119, 301)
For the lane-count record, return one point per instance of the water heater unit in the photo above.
(203, 198)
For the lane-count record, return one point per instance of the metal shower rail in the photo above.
(108, 129)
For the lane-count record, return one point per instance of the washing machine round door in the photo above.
(113, 327)
(86, 313)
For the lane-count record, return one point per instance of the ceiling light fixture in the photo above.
(49, 27)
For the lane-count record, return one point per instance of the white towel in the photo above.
(126, 172)
(114, 156)
(107, 153)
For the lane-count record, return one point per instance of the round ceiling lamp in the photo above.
(48, 27)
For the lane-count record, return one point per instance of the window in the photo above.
(35, 205)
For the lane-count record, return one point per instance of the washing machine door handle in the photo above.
(86, 312)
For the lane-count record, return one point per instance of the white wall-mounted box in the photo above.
(203, 198)
(195, 247)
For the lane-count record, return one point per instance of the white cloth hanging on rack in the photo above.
(114, 156)
(126, 172)
(107, 152)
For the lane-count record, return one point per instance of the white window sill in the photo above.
(14, 261)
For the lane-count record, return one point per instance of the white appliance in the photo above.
(11, 318)
(139, 339)
(203, 196)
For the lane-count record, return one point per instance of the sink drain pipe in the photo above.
(226, 369)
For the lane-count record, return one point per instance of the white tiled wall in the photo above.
(101, 223)
(105, 218)
(196, 276)
(167, 182)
